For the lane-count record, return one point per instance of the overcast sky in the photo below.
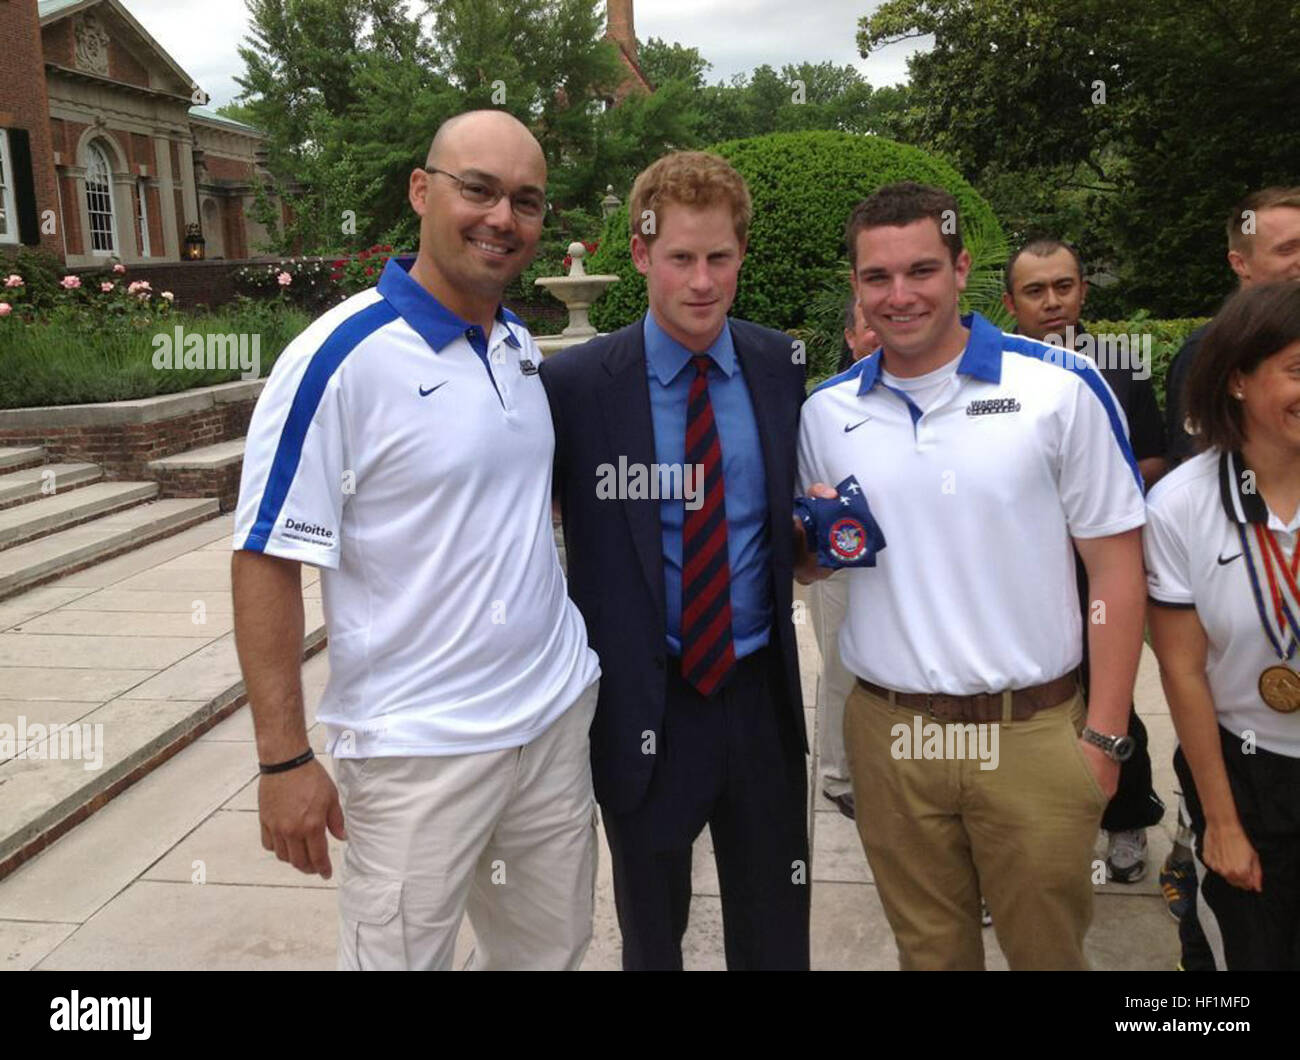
(734, 35)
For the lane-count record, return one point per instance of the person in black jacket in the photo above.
(1045, 292)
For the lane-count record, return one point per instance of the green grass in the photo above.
(80, 355)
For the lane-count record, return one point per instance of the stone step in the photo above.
(47, 480)
(13, 458)
(61, 553)
(205, 458)
(48, 515)
(208, 471)
(48, 793)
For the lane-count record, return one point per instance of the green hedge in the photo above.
(804, 185)
(1166, 338)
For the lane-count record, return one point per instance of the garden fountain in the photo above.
(577, 291)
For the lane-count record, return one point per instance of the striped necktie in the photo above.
(708, 654)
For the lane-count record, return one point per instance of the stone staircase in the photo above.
(56, 518)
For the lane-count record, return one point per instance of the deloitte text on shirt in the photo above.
(978, 495)
(408, 455)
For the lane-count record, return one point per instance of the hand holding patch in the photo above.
(843, 528)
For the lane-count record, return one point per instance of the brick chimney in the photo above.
(618, 25)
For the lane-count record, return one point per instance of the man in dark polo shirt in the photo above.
(1263, 247)
(1045, 292)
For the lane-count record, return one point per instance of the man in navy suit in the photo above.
(675, 470)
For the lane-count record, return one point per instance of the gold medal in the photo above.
(1279, 688)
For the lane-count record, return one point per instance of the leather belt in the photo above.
(982, 706)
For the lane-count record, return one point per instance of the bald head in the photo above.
(466, 134)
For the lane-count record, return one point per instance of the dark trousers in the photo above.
(1260, 930)
(1135, 804)
(730, 761)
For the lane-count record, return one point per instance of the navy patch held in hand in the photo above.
(845, 532)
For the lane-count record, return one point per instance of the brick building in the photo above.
(103, 150)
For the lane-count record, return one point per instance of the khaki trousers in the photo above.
(509, 835)
(939, 832)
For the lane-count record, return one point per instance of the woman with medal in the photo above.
(1222, 571)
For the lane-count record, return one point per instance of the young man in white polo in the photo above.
(983, 457)
(403, 445)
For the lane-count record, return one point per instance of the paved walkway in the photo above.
(171, 874)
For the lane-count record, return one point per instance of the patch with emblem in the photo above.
(848, 539)
(527, 367)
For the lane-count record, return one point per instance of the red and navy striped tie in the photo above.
(708, 654)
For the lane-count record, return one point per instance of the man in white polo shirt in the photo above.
(403, 445)
(983, 456)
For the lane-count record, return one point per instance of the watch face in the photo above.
(1123, 749)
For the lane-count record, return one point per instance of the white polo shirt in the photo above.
(416, 472)
(1194, 559)
(978, 496)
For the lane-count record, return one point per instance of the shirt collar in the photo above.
(1241, 501)
(981, 359)
(428, 317)
(667, 357)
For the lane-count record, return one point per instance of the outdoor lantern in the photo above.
(194, 243)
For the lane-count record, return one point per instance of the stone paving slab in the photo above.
(212, 531)
(24, 943)
(53, 683)
(227, 848)
(43, 711)
(19, 609)
(159, 624)
(108, 651)
(84, 870)
(113, 599)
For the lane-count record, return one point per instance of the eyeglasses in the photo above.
(527, 205)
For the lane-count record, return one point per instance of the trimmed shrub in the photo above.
(1167, 336)
(804, 185)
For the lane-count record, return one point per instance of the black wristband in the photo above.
(293, 763)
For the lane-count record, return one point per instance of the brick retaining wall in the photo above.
(123, 437)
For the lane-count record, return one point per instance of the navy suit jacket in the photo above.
(600, 404)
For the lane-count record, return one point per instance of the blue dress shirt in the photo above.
(670, 374)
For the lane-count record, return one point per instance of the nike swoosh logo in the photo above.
(854, 426)
(1224, 562)
(426, 393)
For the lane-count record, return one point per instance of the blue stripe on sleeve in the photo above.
(288, 452)
(1080, 365)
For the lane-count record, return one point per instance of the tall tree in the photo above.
(1144, 122)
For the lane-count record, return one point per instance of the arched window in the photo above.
(99, 202)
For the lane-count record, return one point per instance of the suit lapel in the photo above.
(629, 427)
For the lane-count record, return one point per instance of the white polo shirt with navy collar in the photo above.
(1197, 517)
(978, 496)
(408, 455)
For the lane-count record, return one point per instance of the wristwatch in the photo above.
(1118, 748)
